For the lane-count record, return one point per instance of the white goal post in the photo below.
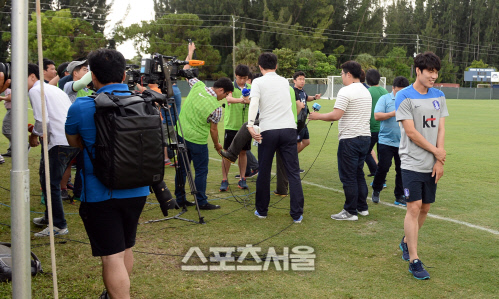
(335, 83)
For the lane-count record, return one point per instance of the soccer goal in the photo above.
(335, 83)
(314, 86)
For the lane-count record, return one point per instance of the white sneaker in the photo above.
(363, 213)
(2, 160)
(41, 221)
(259, 216)
(57, 232)
(344, 215)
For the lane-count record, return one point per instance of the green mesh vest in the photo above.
(196, 108)
(236, 114)
(83, 93)
(293, 103)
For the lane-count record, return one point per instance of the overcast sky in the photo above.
(139, 10)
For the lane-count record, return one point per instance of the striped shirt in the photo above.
(356, 101)
(216, 115)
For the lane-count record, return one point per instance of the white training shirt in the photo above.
(275, 102)
(356, 101)
(57, 105)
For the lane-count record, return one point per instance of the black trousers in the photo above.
(284, 142)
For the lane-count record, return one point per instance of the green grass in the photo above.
(354, 259)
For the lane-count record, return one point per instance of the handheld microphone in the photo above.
(246, 92)
(316, 108)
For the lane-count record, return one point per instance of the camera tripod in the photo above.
(180, 150)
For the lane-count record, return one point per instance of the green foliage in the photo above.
(477, 64)
(397, 61)
(388, 73)
(286, 62)
(168, 36)
(367, 61)
(315, 64)
(247, 53)
(447, 73)
(63, 39)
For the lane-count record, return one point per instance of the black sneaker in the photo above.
(104, 295)
(418, 271)
(400, 201)
(209, 206)
(7, 154)
(228, 156)
(405, 250)
(252, 173)
(185, 203)
(302, 171)
(375, 196)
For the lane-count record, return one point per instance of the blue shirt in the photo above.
(389, 130)
(80, 120)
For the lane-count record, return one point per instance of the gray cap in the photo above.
(73, 64)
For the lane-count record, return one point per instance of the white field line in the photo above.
(492, 231)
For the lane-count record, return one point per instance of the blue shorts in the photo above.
(419, 186)
(303, 134)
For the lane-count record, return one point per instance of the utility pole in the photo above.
(19, 175)
(234, 46)
(417, 44)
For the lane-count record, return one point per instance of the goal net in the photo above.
(314, 86)
(335, 83)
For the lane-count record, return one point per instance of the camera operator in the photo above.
(201, 112)
(110, 217)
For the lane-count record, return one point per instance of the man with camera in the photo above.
(201, 112)
(110, 217)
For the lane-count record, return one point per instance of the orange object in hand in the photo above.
(30, 128)
(196, 62)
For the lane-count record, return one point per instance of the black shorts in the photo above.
(229, 136)
(111, 225)
(303, 134)
(419, 186)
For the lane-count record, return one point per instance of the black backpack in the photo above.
(129, 144)
(6, 263)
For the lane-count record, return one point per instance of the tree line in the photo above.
(315, 36)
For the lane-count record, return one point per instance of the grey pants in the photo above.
(7, 126)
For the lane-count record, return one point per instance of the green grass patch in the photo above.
(354, 259)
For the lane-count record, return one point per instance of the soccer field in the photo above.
(459, 241)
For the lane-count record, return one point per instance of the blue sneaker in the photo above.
(224, 186)
(400, 201)
(384, 185)
(259, 216)
(298, 220)
(418, 271)
(405, 250)
(242, 184)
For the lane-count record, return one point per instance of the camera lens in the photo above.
(5, 69)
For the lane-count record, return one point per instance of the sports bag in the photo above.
(6, 263)
(129, 144)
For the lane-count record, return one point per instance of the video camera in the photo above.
(161, 70)
(5, 69)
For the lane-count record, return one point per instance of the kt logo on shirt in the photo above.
(428, 122)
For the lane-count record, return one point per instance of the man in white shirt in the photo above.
(270, 95)
(60, 153)
(353, 110)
